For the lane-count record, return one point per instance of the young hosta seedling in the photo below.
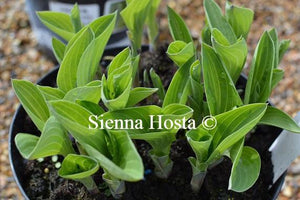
(117, 92)
(259, 84)
(113, 150)
(80, 168)
(134, 16)
(83, 53)
(264, 74)
(210, 145)
(116, 88)
(53, 141)
(156, 81)
(154, 131)
(223, 55)
(125, 164)
(80, 57)
(220, 90)
(152, 23)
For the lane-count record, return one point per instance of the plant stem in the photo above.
(197, 181)
(136, 70)
(90, 184)
(199, 173)
(163, 165)
(116, 186)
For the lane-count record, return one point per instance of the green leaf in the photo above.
(156, 81)
(94, 83)
(94, 108)
(180, 52)
(215, 19)
(249, 163)
(51, 93)
(128, 165)
(277, 77)
(221, 93)
(178, 28)
(75, 119)
(122, 59)
(134, 16)
(233, 56)
(274, 35)
(239, 18)
(78, 167)
(89, 62)
(138, 94)
(233, 125)
(195, 71)
(206, 35)
(152, 22)
(33, 102)
(259, 84)
(200, 144)
(86, 93)
(58, 49)
(178, 84)
(67, 74)
(219, 37)
(283, 47)
(196, 98)
(276, 117)
(53, 141)
(59, 23)
(118, 102)
(74, 39)
(235, 153)
(75, 17)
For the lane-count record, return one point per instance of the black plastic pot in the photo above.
(18, 163)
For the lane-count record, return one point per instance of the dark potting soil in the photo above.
(43, 181)
(162, 65)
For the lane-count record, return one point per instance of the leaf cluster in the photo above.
(204, 84)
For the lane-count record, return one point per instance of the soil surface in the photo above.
(44, 183)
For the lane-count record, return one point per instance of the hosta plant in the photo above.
(213, 74)
(70, 116)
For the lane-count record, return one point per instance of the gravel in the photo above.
(21, 58)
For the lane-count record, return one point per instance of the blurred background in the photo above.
(20, 57)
